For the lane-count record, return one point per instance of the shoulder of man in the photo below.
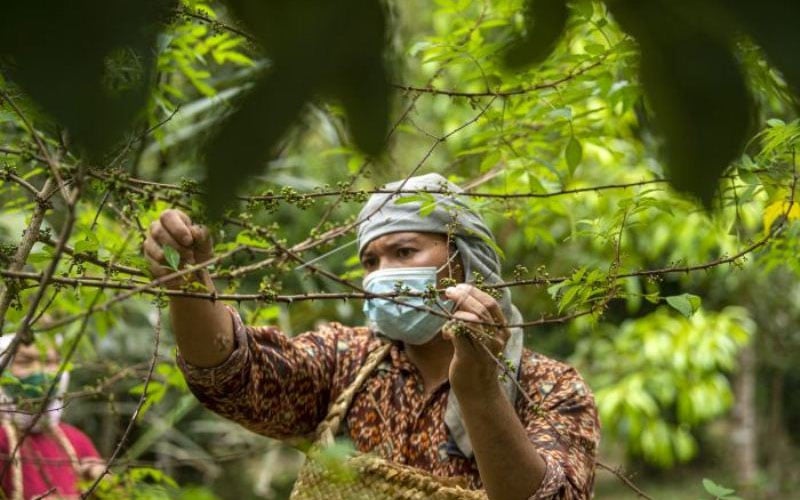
(536, 360)
(542, 373)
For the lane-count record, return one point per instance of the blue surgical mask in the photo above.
(413, 325)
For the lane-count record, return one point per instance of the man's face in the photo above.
(30, 359)
(412, 249)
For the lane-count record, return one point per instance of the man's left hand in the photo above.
(479, 334)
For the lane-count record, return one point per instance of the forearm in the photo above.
(509, 465)
(203, 328)
(271, 384)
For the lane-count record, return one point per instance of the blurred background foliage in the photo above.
(681, 318)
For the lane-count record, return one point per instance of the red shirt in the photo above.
(45, 464)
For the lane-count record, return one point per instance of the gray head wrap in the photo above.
(445, 213)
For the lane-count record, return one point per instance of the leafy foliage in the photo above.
(719, 492)
(694, 83)
(671, 381)
(689, 72)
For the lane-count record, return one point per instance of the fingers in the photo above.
(469, 298)
(157, 270)
(469, 321)
(203, 246)
(488, 337)
(480, 313)
(178, 226)
(162, 237)
(152, 250)
(175, 229)
(156, 261)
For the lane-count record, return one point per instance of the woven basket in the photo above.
(374, 478)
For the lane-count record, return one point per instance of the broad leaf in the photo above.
(687, 304)
(573, 154)
(87, 63)
(172, 257)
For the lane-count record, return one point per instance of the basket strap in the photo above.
(328, 428)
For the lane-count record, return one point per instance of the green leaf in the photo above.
(427, 202)
(565, 113)
(716, 489)
(553, 290)
(155, 393)
(686, 304)
(414, 198)
(568, 297)
(172, 257)
(573, 153)
(40, 257)
(594, 49)
(86, 246)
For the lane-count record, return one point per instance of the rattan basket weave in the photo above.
(374, 478)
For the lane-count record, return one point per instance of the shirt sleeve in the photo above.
(271, 384)
(564, 428)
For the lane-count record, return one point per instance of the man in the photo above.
(440, 401)
(48, 457)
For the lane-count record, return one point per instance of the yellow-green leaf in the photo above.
(573, 153)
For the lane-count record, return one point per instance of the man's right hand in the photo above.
(175, 229)
(203, 328)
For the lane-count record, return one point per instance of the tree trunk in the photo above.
(745, 438)
(776, 449)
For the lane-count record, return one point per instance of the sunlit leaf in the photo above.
(715, 489)
(573, 154)
(686, 304)
(779, 210)
(172, 257)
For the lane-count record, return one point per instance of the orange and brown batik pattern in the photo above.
(281, 387)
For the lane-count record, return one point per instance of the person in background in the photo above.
(40, 456)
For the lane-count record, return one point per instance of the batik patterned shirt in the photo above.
(281, 387)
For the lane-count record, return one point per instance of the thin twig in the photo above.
(199, 16)
(502, 93)
(51, 162)
(23, 333)
(622, 477)
(145, 288)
